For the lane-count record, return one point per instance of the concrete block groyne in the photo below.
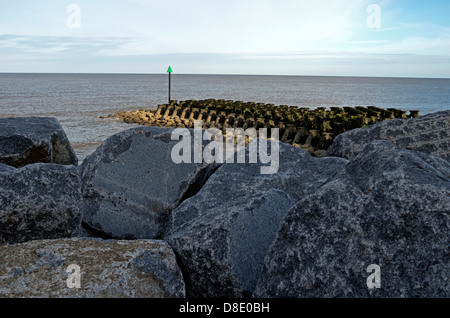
(311, 129)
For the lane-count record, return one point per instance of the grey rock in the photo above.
(6, 168)
(389, 207)
(39, 201)
(108, 269)
(428, 134)
(28, 140)
(222, 234)
(130, 184)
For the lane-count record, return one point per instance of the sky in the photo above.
(392, 38)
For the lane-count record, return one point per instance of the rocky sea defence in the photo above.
(131, 221)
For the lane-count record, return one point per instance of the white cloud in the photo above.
(236, 26)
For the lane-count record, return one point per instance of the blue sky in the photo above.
(404, 38)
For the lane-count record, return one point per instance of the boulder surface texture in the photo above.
(130, 184)
(388, 207)
(90, 268)
(428, 134)
(27, 140)
(39, 201)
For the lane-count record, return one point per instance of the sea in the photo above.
(83, 102)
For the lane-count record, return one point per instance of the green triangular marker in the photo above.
(170, 70)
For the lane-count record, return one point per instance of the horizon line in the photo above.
(223, 74)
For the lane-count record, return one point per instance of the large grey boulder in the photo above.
(130, 184)
(27, 140)
(222, 234)
(39, 201)
(388, 207)
(90, 268)
(429, 134)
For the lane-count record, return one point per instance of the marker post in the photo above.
(170, 72)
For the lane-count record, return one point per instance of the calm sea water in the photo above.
(79, 101)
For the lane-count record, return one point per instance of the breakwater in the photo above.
(311, 129)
